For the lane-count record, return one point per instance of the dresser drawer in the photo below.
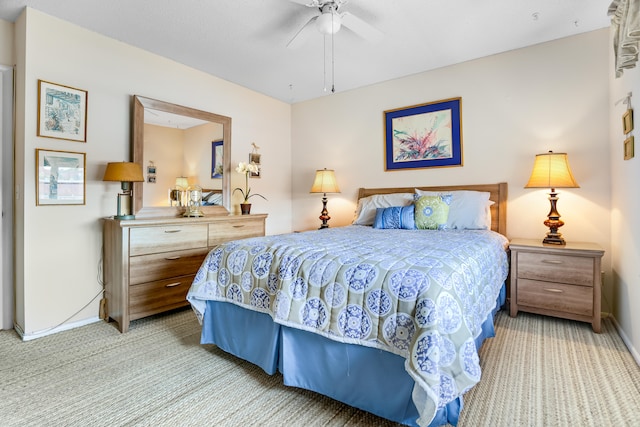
(147, 268)
(150, 240)
(555, 296)
(220, 232)
(155, 297)
(556, 268)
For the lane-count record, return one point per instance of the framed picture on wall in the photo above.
(627, 121)
(628, 148)
(60, 177)
(216, 159)
(62, 112)
(424, 136)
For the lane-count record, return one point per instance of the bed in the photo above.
(385, 318)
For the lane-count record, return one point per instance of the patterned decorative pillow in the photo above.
(470, 210)
(395, 217)
(366, 210)
(431, 212)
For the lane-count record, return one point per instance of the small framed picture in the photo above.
(217, 151)
(628, 148)
(627, 121)
(60, 177)
(255, 158)
(62, 112)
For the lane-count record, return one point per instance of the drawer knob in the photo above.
(556, 291)
(551, 261)
(172, 285)
(172, 258)
(238, 226)
(172, 231)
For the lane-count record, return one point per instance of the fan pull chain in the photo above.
(324, 63)
(324, 58)
(333, 59)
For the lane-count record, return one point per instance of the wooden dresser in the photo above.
(149, 264)
(562, 281)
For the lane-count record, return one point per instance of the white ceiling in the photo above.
(244, 41)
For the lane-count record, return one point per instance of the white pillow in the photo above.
(469, 210)
(366, 210)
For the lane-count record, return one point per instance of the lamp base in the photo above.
(554, 240)
(193, 214)
(122, 217)
(324, 215)
(554, 222)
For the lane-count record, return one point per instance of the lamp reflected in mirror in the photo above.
(177, 196)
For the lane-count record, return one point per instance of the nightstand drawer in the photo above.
(147, 268)
(556, 268)
(152, 240)
(555, 296)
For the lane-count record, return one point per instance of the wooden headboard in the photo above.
(498, 195)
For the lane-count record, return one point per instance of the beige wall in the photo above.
(7, 56)
(165, 148)
(552, 96)
(59, 247)
(625, 205)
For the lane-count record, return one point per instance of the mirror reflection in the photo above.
(180, 149)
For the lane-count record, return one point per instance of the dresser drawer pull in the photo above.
(238, 226)
(551, 261)
(557, 291)
(172, 231)
(172, 258)
(172, 285)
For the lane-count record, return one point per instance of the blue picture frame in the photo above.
(216, 159)
(424, 136)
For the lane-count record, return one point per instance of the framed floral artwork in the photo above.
(60, 177)
(62, 112)
(424, 136)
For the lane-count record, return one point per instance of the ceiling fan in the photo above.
(329, 22)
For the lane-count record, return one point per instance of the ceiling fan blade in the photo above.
(361, 28)
(303, 34)
(308, 3)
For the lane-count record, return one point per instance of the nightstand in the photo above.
(561, 281)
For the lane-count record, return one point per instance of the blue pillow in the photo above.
(395, 217)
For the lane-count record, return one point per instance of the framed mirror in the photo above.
(179, 146)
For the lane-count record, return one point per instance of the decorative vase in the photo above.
(245, 208)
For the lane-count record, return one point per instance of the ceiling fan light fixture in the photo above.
(328, 23)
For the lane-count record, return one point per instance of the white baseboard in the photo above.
(64, 327)
(626, 340)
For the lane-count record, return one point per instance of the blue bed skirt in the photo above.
(380, 386)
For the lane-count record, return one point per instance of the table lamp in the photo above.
(126, 173)
(325, 182)
(551, 170)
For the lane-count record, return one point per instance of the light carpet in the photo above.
(538, 371)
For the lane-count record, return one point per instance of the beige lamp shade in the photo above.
(551, 170)
(325, 182)
(123, 172)
(182, 182)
